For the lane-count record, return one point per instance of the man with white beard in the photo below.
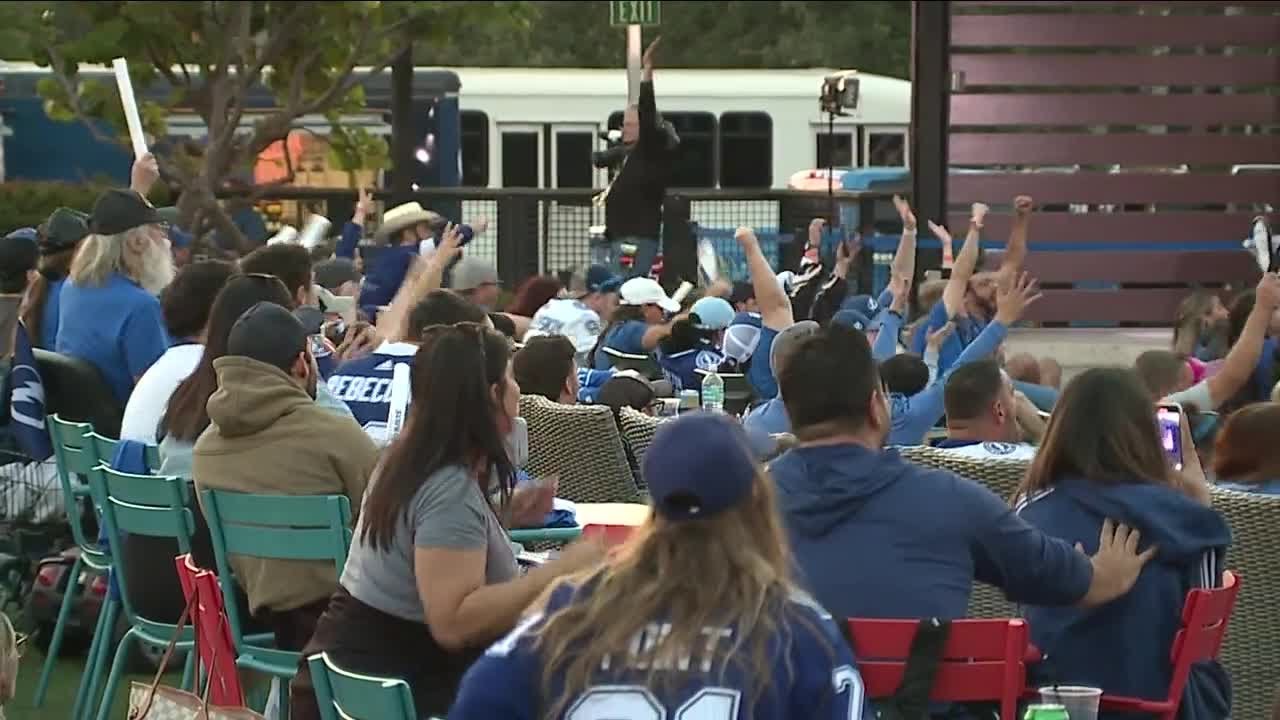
(109, 314)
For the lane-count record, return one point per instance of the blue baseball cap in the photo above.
(601, 279)
(714, 313)
(698, 465)
(864, 304)
(852, 319)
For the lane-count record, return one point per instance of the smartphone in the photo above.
(1169, 419)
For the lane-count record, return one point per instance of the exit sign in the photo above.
(635, 12)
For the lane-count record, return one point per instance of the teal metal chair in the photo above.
(156, 507)
(275, 527)
(76, 456)
(344, 695)
(543, 535)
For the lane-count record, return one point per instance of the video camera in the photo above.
(616, 151)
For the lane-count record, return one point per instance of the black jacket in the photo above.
(634, 204)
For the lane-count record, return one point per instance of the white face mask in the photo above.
(518, 442)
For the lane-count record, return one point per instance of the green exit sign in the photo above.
(635, 12)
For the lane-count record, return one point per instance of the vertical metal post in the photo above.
(402, 139)
(930, 116)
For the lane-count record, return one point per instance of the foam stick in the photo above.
(287, 234)
(131, 116)
(313, 232)
(682, 292)
(633, 64)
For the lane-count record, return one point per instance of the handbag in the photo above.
(153, 701)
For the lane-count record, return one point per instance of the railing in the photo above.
(547, 230)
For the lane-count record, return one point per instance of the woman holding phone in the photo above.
(431, 578)
(1103, 457)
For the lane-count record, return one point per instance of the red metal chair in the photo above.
(983, 660)
(213, 633)
(1204, 622)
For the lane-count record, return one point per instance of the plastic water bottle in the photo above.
(713, 392)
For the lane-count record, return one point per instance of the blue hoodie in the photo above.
(1123, 647)
(875, 536)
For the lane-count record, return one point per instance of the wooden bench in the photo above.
(1129, 287)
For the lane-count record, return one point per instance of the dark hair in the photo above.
(685, 335)
(971, 389)
(905, 374)
(291, 263)
(533, 294)
(1245, 449)
(1160, 372)
(185, 303)
(626, 391)
(186, 416)
(442, 307)
(1103, 428)
(1238, 314)
(53, 267)
(829, 378)
(502, 323)
(542, 365)
(452, 421)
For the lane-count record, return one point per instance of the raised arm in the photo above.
(1015, 252)
(647, 108)
(904, 259)
(886, 344)
(1240, 362)
(423, 277)
(775, 307)
(352, 231)
(958, 284)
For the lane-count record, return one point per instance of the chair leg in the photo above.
(104, 651)
(59, 627)
(96, 662)
(113, 680)
(187, 670)
(282, 713)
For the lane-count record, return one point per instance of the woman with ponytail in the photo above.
(59, 237)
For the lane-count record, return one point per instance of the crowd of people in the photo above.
(275, 374)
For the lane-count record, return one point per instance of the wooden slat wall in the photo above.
(1125, 119)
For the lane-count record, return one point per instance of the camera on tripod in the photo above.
(839, 93)
(616, 151)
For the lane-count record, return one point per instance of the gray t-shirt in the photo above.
(448, 512)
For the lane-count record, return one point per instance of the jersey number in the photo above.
(633, 702)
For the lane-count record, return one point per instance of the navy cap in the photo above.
(698, 465)
(18, 253)
(864, 304)
(64, 228)
(268, 333)
(601, 279)
(119, 210)
(852, 319)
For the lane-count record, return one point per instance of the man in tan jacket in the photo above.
(268, 436)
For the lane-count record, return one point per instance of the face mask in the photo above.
(517, 442)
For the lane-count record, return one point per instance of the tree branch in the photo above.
(73, 99)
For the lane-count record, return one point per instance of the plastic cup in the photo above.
(1080, 702)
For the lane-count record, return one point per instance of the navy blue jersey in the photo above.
(364, 384)
(814, 676)
(681, 368)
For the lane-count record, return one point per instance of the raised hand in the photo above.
(364, 205)
(450, 244)
(978, 213)
(746, 237)
(939, 336)
(144, 173)
(816, 226)
(1022, 206)
(900, 288)
(904, 212)
(1268, 292)
(939, 232)
(1013, 298)
(646, 60)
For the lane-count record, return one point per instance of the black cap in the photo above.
(119, 210)
(268, 333)
(332, 274)
(18, 253)
(64, 228)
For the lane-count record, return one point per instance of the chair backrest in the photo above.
(147, 505)
(582, 446)
(76, 458)
(1205, 617)
(643, 364)
(153, 458)
(75, 390)
(981, 659)
(1248, 651)
(637, 430)
(213, 632)
(344, 695)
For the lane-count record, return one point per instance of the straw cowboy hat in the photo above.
(403, 216)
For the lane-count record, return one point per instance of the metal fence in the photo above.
(534, 231)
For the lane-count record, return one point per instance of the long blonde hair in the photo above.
(730, 570)
(130, 253)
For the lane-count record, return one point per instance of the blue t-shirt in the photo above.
(48, 339)
(681, 368)
(116, 326)
(760, 371)
(364, 384)
(627, 337)
(814, 677)
(967, 330)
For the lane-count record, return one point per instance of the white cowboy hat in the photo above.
(403, 216)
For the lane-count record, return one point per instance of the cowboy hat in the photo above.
(403, 216)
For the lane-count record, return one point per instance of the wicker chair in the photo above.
(637, 430)
(1253, 636)
(999, 476)
(581, 445)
